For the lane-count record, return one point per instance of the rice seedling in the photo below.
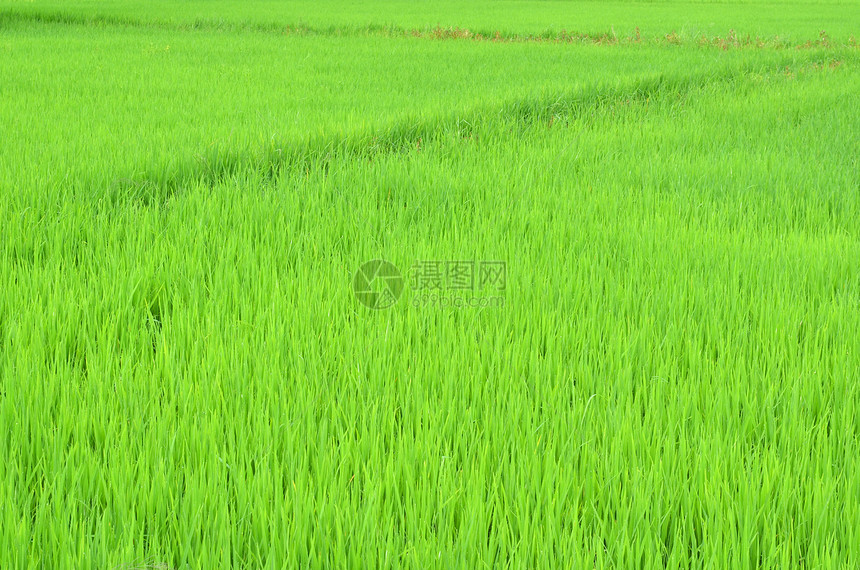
(616, 327)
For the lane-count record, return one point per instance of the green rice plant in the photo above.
(188, 379)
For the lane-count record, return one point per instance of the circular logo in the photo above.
(377, 284)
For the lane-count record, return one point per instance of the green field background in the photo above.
(187, 379)
(792, 20)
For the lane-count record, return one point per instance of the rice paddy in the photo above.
(500, 284)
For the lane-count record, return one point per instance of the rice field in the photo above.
(518, 284)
